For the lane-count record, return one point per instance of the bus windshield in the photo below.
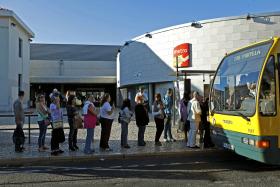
(235, 84)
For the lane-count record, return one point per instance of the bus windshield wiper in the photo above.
(242, 115)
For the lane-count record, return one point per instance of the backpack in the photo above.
(18, 136)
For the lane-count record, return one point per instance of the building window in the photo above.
(19, 82)
(19, 47)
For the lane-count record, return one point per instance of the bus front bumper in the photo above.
(247, 145)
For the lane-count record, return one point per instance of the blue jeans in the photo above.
(192, 134)
(141, 133)
(167, 128)
(89, 139)
(42, 134)
(124, 133)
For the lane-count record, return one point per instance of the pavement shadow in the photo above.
(195, 167)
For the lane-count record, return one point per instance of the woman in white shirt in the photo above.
(106, 120)
(194, 118)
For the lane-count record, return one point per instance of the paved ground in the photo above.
(216, 168)
(169, 165)
(7, 154)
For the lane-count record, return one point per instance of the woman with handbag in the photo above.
(142, 119)
(43, 121)
(185, 127)
(90, 119)
(57, 125)
(71, 112)
(106, 120)
(159, 115)
(194, 118)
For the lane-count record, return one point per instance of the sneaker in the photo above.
(165, 140)
(89, 152)
(54, 153)
(19, 150)
(194, 147)
(158, 143)
(76, 147)
(45, 148)
(41, 149)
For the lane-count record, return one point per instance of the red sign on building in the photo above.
(181, 54)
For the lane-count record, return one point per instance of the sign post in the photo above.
(181, 59)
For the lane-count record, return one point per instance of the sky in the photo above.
(112, 22)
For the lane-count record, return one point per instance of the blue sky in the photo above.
(116, 21)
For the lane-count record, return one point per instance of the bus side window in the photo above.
(267, 98)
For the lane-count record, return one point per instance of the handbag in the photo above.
(78, 122)
(97, 122)
(18, 136)
(58, 135)
(181, 126)
(47, 121)
(57, 124)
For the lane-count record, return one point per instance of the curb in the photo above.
(33, 161)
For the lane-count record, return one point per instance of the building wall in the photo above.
(4, 60)
(162, 88)
(12, 64)
(140, 64)
(72, 68)
(98, 76)
(73, 71)
(209, 44)
(18, 65)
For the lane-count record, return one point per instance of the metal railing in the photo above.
(29, 128)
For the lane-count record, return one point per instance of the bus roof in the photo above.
(253, 44)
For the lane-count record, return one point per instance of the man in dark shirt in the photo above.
(18, 136)
(142, 119)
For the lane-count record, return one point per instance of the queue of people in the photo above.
(193, 113)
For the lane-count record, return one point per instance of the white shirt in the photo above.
(194, 110)
(106, 107)
(141, 94)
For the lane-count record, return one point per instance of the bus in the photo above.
(245, 102)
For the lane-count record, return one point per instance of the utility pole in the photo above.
(175, 93)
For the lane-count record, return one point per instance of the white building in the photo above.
(84, 69)
(147, 60)
(14, 58)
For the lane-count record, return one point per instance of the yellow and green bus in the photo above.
(245, 102)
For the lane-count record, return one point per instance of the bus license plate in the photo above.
(228, 146)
